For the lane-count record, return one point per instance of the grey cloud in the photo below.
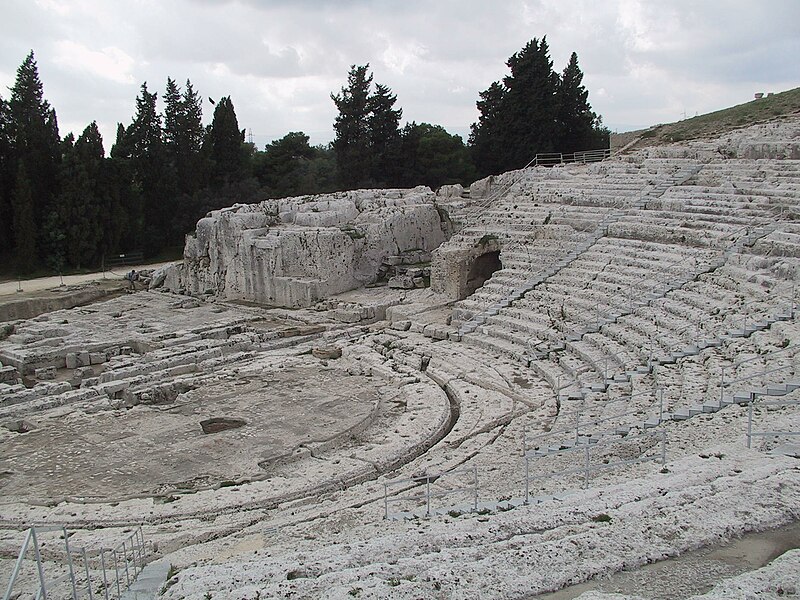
(282, 58)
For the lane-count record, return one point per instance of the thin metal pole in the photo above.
(527, 480)
(103, 567)
(524, 439)
(577, 425)
(69, 564)
(660, 405)
(134, 540)
(141, 547)
(586, 478)
(116, 570)
(125, 555)
(39, 566)
(427, 495)
(749, 423)
(475, 501)
(385, 500)
(722, 384)
(18, 565)
(86, 568)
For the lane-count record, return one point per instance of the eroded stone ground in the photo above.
(158, 449)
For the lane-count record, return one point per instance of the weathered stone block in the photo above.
(97, 358)
(45, 373)
(327, 352)
(8, 373)
(402, 282)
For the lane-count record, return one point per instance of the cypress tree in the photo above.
(191, 171)
(486, 136)
(529, 106)
(83, 194)
(24, 224)
(383, 123)
(6, 179)
(35, 142)
(577, 123)
(225, 143)
(143, 139)
(534, 111)
(351, 143)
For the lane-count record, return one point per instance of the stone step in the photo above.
(777, 390)
(651, 422)
(681, 414)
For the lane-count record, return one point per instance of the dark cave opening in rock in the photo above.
(482, 269)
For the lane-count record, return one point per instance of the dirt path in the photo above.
(46, 283)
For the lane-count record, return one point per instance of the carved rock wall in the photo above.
(294, 251)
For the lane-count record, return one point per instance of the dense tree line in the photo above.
(64, 204)
(534, 110)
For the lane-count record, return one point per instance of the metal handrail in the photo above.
(427, 479)
(587, 468)
(131, 549)
(657, 393)
(751, 434)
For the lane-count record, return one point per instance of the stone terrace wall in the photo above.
(294, 251)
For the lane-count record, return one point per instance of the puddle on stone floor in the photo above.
(692, 573)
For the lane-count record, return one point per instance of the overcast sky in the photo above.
(645, 61)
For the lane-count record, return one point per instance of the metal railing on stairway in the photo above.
(547, 159)
(118, 566)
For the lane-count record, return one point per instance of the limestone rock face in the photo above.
(294, 251)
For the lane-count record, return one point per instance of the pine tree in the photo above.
(225, 143)
(82, 198)
(191, 171)
(383, 123)
(577, 123)
(352, 140)
(529, 106)
(6, 179)
(431, 156)
(35, 142)
(486, 136)
(24, 224)
(284, 165)
(151, 175)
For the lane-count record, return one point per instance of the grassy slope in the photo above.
(715, 123)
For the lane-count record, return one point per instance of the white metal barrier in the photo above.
(768, 433)
(118, 566)
(425, 490)
(584, 452)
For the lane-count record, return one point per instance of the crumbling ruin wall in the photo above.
(293, 252)
(452, 266)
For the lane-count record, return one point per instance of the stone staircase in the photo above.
(677, 178)
(532, 357)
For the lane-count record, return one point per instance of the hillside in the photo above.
(714, 123)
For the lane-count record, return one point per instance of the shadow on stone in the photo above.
(218, 424)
